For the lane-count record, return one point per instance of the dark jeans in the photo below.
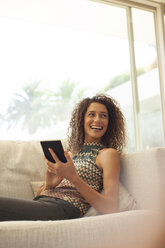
(41, 208)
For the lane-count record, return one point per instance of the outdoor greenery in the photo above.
(1, 118)
(30, 108)
(121, 78)
(65, 98)
(34, 107)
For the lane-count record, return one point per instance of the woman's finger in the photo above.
(51, 168)
(56, 159)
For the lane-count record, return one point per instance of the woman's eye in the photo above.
(91, 114)
(104, 116)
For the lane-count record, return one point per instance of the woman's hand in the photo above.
(62, 170)
(51, 180)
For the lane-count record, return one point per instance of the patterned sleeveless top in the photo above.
(85, 164)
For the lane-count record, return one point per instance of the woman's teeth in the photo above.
(96, 127)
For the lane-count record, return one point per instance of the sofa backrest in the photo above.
(142, 173)
(21, 162)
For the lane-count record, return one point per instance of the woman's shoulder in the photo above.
(105, 155)
(107, 152)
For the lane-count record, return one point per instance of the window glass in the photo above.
(150, 114)
(53, 53)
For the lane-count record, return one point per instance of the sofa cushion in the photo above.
(20, 163)
(35, 186)
(142, 173)
(126, 202)
(129, 229)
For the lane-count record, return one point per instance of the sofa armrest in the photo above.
(130, 229)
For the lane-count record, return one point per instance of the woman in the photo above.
(95, 142)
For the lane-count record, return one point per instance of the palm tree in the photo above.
(66, 98)
(66, 90)
(2, 119)
(35, 107)
(31, 108)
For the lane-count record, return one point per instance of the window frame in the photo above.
(158, 10)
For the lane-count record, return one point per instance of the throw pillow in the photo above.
(126, 202)
(36, 185)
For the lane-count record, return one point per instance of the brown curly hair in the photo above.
(115, 136)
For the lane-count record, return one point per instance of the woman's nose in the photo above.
(97, 118)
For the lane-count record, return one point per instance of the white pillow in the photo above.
(126, 201)
(36, 185)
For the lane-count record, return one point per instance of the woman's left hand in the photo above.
(66, 170)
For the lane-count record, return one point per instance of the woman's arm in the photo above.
(108, 160)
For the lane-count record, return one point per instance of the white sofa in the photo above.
(142, 173)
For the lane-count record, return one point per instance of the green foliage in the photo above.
(121, 78)
(65, 99)
(66, 90)
(1, 118)
(34, 107)
(80, 94)
(31, 108)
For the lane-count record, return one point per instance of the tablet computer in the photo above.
(56, 146)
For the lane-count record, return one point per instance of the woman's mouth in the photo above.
(96, 127)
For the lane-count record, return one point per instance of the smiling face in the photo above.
(95, 122)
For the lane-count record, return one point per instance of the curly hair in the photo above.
(115, 136)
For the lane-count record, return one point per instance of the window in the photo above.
(150, 115)
(54, 53)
